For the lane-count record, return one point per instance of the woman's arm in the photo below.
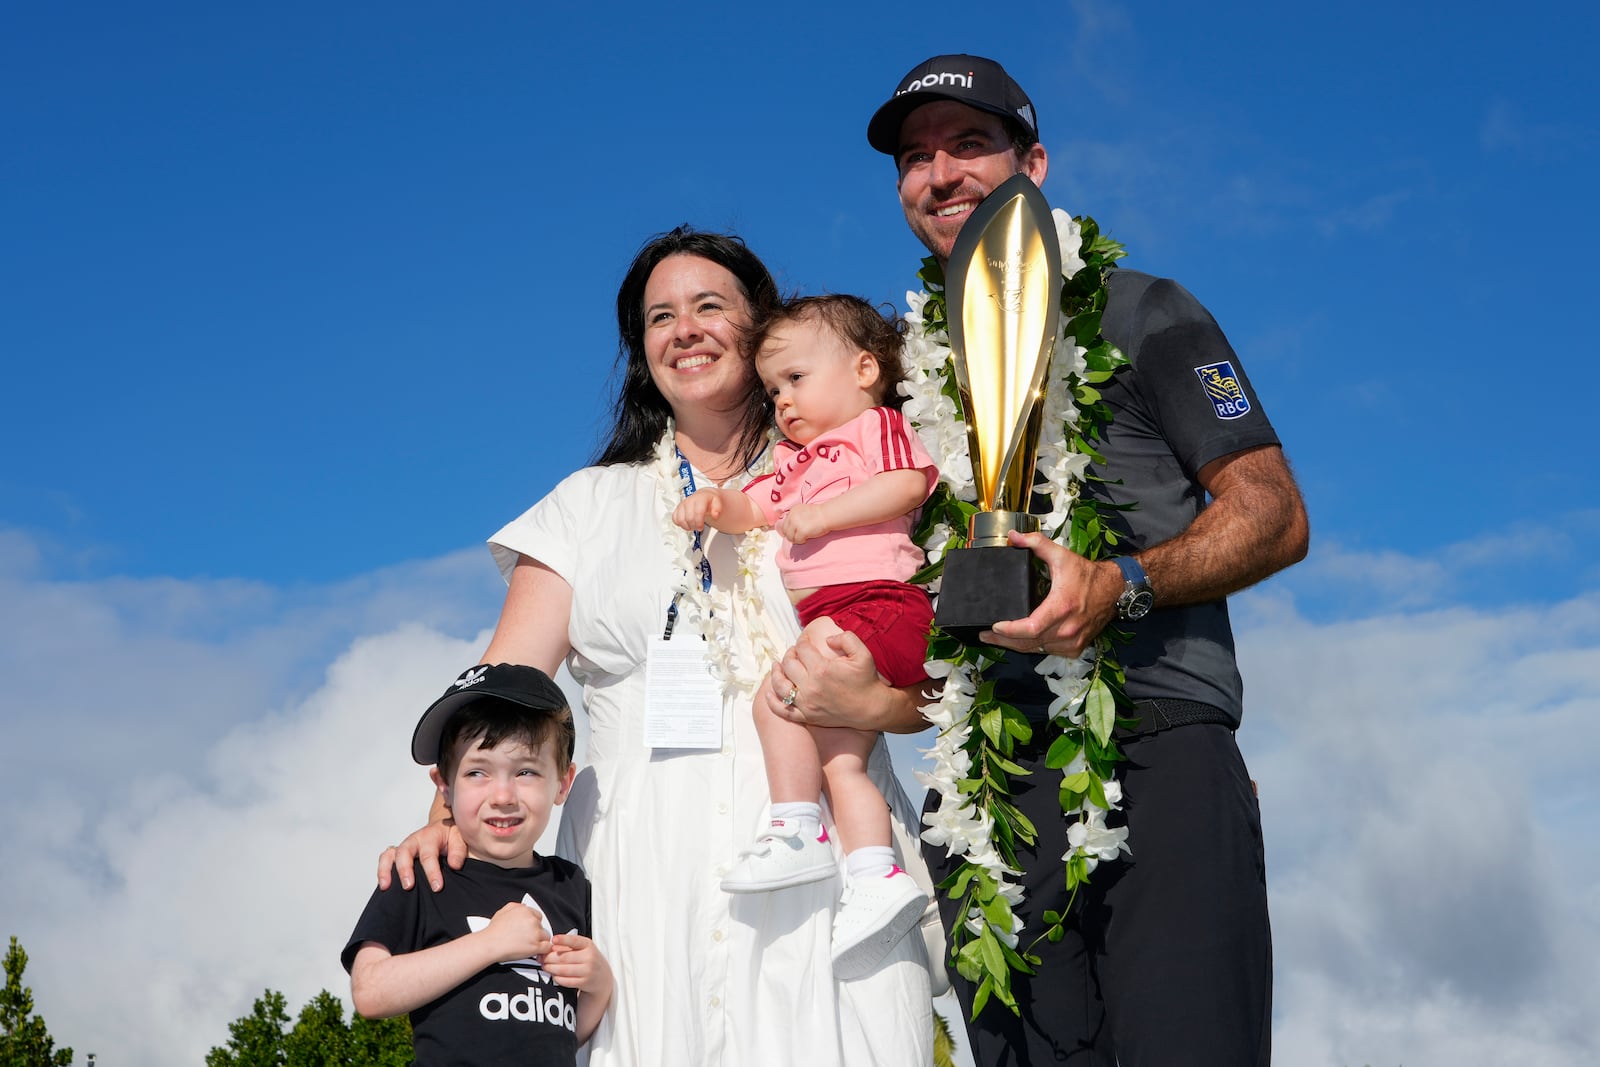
(533, 622)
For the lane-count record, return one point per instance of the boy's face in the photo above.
(816, 381)
(501, 799)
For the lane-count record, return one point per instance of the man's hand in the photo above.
(1082, 600)
(426, 845)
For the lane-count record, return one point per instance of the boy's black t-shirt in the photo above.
(508, 1013)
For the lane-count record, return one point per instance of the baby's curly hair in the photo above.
(856, 321)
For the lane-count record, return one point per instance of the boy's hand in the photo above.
(699, 508)
(802, 523)
(574, 962)
(518, 932)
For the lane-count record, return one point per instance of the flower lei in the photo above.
(972, 757)
(722, 612)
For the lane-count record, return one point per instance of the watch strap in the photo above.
(1131, 570)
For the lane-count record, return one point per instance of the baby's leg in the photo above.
(881, 903)
(794, 772)
(794, 848)
(859, 811)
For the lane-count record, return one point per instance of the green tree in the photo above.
(255, 1040)
(320, 1037)
(24, 1040)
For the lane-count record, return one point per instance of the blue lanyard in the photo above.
(686, 478)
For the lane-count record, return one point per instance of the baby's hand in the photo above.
(802, 523)
(518, 931)
(574, 962)
(699, 508)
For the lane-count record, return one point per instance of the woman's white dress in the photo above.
(702, 977)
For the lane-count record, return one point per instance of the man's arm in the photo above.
(1255, 526)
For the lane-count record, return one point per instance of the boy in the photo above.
(477, 965)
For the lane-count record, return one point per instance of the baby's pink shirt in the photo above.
(875, 441)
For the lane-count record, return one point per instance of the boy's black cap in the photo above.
(528, 686)
(971, 80)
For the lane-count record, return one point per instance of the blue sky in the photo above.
(298, 304)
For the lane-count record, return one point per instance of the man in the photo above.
(1167, 958)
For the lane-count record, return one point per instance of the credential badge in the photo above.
(1222, 388)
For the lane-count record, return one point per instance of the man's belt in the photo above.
(1164, 714)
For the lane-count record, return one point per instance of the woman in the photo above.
(597, 573)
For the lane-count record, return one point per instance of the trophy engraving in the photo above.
(1002, 295)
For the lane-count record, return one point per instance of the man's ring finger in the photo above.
(788, 701)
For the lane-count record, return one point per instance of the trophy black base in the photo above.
(983, 586)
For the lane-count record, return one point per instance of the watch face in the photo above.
(1135, 602)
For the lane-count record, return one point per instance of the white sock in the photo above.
(808, 817)
(870, 861)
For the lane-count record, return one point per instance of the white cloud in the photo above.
(1505, 129)
(1425, 793)
(1424, 775)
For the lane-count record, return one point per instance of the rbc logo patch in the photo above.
(1222, 387)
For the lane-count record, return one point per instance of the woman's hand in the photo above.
(426, 845)
(829, 679)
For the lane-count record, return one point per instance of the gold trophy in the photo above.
(1003, 303)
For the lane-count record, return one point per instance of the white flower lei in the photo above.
(724, 612)
(966, 828)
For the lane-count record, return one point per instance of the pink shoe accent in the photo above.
(894, 870)
(821, 836)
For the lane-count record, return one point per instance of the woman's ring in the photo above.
(788, 701)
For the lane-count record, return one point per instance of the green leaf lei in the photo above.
(973, 756)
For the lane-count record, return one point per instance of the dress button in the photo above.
(716, 935)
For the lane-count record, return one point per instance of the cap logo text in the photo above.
(933, 81)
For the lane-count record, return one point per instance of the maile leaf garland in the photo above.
(973, 762)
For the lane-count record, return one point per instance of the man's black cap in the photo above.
(971, 80)
(528, 686)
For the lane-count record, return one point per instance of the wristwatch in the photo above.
(1137, 597)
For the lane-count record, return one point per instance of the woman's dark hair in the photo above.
(859, 324)
(640, 412)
